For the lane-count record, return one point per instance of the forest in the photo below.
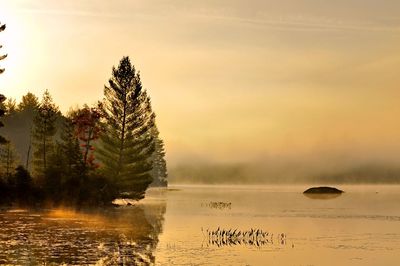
(91, 155)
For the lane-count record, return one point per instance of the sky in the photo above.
(230, 80)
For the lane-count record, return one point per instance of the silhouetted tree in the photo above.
(127, 145)
(24, 189)
(71, 148)
(29, 103)
(2, 112)
(10, 106)
(43, 132)
(159, 171)
(2, 97)
(20, 127)
(2, 28)
(8, 159)
(27, 109)
(66, 165)
(55, 175)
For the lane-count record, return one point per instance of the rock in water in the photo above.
(323, 190)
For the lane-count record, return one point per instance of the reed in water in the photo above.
(252, 237)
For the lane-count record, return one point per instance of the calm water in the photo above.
(173, 227)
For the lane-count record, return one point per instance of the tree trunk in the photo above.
(44, 148)
(87, 146)
(29, 151)
(121, 149)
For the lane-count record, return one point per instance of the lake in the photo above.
(214, 225)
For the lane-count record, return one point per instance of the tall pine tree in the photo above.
(43, 133)
(127, 146)
(2, 97)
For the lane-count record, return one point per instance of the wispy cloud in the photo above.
(79, 13)
(312, 24)
(283, 23)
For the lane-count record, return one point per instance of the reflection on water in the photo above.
(125, 236)
(322, 196)
(218, 205)
(361, 227)
(252, 237)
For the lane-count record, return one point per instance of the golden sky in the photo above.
(230, 80)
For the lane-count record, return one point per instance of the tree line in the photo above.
(90, 156)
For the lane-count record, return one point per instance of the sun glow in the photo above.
(10, 39)
(16, 41)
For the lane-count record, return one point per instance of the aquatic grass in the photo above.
(218, 205)
(232, 237)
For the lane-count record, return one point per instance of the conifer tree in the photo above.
(8, 159)
(70, 148)
(159, 171)
(43, 133)
(3, 140)
(29, 103)
(10, 106)
(2, 97)
(2, 28)
(27, 109)
(64, 173)
(127, 146)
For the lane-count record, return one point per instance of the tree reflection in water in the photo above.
(125, 236)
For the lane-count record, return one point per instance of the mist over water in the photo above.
(218, 117)
(214, 225)
(287, 172)
(86, 237)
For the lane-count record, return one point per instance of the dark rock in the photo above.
(323, 190)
